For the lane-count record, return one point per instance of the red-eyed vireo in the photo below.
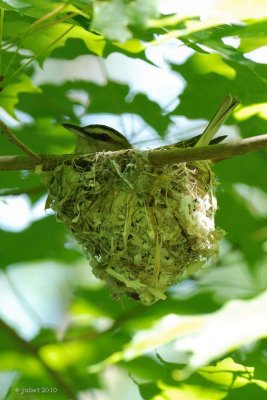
(95, 138)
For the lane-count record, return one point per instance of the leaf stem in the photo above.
(38, 54)
(36, 26)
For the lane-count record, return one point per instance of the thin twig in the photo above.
(18, 163)
(13, 138)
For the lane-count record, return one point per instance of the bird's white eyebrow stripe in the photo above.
(107, 129)
(97, 136)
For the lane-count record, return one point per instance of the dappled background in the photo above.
(156, 71)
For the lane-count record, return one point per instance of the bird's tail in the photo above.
(223, 112)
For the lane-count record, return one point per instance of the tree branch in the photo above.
(19, 191)
(13, 138)
(160, 156)
(216, 152)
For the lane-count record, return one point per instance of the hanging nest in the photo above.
(142, 227)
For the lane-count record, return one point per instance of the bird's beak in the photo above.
(74, 129)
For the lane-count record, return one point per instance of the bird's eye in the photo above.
(104, 136)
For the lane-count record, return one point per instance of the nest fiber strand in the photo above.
(142, 227)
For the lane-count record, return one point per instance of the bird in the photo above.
(96, 138)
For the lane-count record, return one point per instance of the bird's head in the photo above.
(94, 138)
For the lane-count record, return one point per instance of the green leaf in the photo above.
(231, 375)
(44, 41)
(253, 35)
(14, 25)
(10, 93)
(49, 102)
